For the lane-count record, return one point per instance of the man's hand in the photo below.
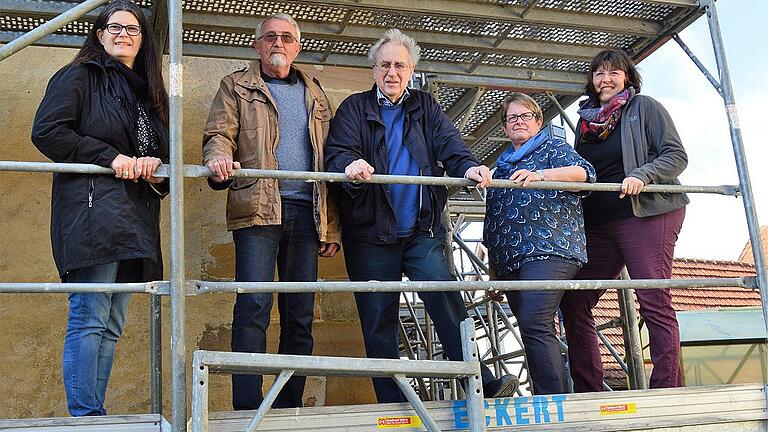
(328, 249)
(481, 174)
(359, 170)
(631, 186)
(223, 167)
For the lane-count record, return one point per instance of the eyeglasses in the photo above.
(385, 66)
(116, 29)
(526, 116)
(287, 38)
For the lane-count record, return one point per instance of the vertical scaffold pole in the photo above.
(741, 160)
(156, 354)
(631, 332)
(176, 94)
(738, 150)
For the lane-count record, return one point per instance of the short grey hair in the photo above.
(397, 37)
(281, 17)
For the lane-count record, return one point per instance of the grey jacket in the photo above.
(652, 151)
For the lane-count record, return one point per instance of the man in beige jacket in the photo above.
(272, 116)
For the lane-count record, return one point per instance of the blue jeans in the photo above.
(293, 246)
(535, 312)
(96, 321)
(420, 258)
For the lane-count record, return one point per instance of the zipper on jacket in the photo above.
(90, 192)
(421, 204)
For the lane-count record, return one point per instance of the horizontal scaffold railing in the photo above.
(196, 171)
(196, 287)
(288, 365)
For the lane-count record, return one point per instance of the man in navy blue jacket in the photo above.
(391, 230)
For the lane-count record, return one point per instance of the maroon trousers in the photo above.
(646, 247)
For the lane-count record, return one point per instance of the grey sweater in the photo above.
(653, 152)
(294, 149)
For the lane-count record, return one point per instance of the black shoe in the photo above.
(501, 387)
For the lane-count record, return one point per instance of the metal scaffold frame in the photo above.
(178, 287)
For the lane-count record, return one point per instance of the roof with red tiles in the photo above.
(746, 253)
(683, 299)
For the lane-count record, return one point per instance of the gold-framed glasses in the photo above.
(386, 66)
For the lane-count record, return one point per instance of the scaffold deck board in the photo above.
(717, 408)
(117, 423)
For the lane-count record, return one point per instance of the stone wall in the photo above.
(32, 326)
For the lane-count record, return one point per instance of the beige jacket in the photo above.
(243, 124)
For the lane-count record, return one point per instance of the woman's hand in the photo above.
(124, 167)
(145, 168)
(631, 186)
(526, 176)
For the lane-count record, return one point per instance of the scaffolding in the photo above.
(498, 63)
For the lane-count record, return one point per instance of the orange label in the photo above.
(398, 422)
(622, 408)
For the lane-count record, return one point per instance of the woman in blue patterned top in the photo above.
(536, 234)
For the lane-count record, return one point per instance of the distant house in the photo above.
(683, 299)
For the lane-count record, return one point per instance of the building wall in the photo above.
(32, 326)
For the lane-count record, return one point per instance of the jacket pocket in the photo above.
(242, 199)
(362, 209)
(254, 109)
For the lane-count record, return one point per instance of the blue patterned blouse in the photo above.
(523, 225)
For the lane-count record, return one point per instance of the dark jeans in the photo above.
(96, 321)
(293, 245)
(646, 246)
(535, 312)
(420, 258)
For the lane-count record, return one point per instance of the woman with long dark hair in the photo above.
(629, 139)
(108, 107)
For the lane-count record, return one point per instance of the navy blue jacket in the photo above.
(357, 132)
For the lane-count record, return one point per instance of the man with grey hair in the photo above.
(271, 115)
(391, 230)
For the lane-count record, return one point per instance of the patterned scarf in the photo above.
(512, 156)
(599, 121)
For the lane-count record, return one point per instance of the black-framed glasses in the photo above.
(526, 116)
(116, 29)
(287, 38)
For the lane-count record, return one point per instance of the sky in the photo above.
(715, 226)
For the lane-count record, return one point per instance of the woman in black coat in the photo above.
(108, 107)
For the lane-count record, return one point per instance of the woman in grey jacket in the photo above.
(629, 139)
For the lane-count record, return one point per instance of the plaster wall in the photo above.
(32, 326)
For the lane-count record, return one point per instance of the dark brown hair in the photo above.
(148, 60)
(618, 60)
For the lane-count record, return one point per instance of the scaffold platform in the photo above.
(739, 408)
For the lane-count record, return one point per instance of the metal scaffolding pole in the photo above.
(741, 160)
(178, 285)
(48, 28)
(156, 354)
(198, 171)
(200, 286)
(633, 347)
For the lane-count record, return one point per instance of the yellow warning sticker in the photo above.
(399, 422)
(622, 408)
